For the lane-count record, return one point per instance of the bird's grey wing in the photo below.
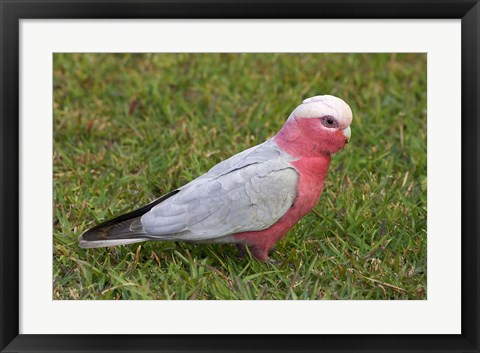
(247, 196)
(266, 151)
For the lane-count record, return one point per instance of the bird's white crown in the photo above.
(318, 106)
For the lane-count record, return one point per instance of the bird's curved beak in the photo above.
(347, 133)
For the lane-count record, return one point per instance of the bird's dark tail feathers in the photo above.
(124, 229)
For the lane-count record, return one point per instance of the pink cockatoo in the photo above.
(251, 199)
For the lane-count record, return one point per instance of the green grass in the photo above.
(128, 128)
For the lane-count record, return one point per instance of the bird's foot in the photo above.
(259, 253)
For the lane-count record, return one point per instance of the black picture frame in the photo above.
(13, 11)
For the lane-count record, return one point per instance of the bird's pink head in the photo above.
(320, 125)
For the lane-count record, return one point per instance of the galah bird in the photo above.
(251, 199)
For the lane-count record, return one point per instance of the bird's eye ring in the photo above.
(329, 121)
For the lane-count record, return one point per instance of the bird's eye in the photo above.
(329, 121)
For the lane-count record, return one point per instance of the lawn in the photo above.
(131, 127)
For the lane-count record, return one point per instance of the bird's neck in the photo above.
(309, 160)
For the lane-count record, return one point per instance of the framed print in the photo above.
(198, 176)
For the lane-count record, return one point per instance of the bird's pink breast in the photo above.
(312, 172)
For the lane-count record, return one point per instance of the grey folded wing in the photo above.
(250, 192)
